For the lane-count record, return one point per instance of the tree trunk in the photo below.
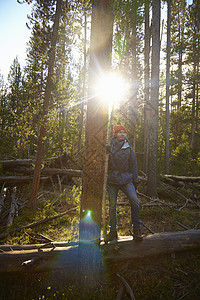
(47, 94)
(96, 133)
(80, 138)
(132, 114)
(192, 138)
(168, 86)
(146, 86)
(153, 122)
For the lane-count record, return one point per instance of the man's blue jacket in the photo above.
(122, 164)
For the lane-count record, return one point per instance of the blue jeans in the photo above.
(130, 192)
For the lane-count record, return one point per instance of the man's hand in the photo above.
(108, 148)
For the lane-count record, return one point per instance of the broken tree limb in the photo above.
(55, 162)
(182, 225)
(48, 245)
(14, 207)
(17, 180)
(147, 227)
(51, 172)
(3, 235)
(127, 286)
(181, 178)
(123, 250)
(46, 174)
(12, 164)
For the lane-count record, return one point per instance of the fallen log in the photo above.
(181, 178)
(17, 180)
(124, 250)
(46, 173)
(15, 163)
(55, 162)
(51, 172)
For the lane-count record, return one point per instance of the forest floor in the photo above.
(174, 276)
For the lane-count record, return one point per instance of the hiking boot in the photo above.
(137, 235)
(112, 236)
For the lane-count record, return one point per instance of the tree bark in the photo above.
(153, 124)
(81, 118)
(146, 86)
(168, 85)
(95, 150)
(132, 114)
(97, 112)
(47, 94)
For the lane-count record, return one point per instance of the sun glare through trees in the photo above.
(111, 88)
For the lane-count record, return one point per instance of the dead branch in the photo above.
(14, 207)
(45, 238)
(186, 202)
(17, 180)
(127, 286)
(147, 228)
(185, 227)
(181, 178)
(2, 236)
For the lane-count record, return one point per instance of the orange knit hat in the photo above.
(117, 128)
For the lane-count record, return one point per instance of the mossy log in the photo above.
(64, 256)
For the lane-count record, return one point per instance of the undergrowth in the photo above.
(168, 277)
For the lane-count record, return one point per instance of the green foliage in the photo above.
(21, 102)
(48, 205)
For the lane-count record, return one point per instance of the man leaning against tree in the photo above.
(122, 175)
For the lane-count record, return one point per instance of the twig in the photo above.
(186, 202)
(59, 182)
(189, 200)
(143, 195)
(147, 228)
(183, 296)
(34, 238)
(127, 286)
(185, 227)
(120, 293)
(45, 238)
(196, 226)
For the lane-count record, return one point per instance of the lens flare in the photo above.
(111, 88)
(89, 214)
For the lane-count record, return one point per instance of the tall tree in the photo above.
(146, 84)
(193, 62)
(83, 86)
(178, 20)
(168, 84)
(97, 111)
(96, 132)
(47, 94)
(153, 122)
